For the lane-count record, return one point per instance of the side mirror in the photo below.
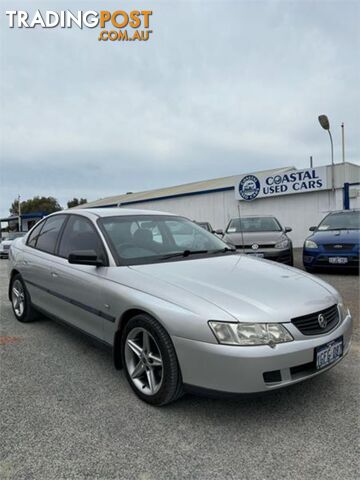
(312, 229)
(219, 232)
(85, 257)
(288, 229)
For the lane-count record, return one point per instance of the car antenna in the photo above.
(241, 228)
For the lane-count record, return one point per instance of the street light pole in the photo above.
(324, 122)
(332, 150)
(343, 141)
(19, 212)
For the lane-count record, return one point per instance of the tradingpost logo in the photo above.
(115, 26)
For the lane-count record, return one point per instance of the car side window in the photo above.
(34, 235)
(80, 234)
(48, 235)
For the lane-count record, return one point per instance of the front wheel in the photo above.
(150, 361)
(20, 300)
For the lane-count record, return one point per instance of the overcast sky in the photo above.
(222, 88)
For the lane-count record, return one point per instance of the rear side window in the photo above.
(80, 234)
(48, 235)
(34, 235)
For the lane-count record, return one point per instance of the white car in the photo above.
(7, 241)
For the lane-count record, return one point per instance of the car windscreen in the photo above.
(154, 238)
(253, 224)
(341, 221)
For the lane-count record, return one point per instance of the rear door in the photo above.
(38, 259)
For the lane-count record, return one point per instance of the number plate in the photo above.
(261, 255)
(327, 354)
(341, 260)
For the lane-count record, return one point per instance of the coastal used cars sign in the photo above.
(283, 183)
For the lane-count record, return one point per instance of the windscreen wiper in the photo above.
(184, 253)
(224, 250)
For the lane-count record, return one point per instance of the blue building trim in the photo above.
(24, 216)
(178, 195)
(346, 202)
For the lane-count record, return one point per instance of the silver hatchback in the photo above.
(179, 308)
(261, 236)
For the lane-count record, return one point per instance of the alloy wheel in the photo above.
(18, 298)
(144, 361)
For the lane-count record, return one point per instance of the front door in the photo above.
(78, 297)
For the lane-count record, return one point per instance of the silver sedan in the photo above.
(180, 309)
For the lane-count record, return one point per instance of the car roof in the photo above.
(111, 212)
(254, 216)
(350, 210)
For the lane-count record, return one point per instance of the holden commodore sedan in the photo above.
(180, 309)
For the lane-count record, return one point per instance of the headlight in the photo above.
(310, 244)
(283, 243)
(247, 334)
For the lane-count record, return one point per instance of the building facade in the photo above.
(298, 198)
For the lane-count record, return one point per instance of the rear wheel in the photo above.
(20, 300)
(150, 362)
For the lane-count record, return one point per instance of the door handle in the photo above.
(54, 274)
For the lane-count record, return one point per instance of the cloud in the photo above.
(221, 88)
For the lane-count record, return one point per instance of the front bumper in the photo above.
(275, 254)
(317, 258)
(234, 369)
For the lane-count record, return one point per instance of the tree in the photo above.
(36, 204)
(75, 202)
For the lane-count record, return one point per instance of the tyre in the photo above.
(150, 362)
(20, 301)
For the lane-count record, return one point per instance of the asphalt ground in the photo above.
(66, 413)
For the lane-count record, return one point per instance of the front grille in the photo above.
(269, 245)
(6, 247)
(309, 324)
(323, 260)
(339, 247)
(303, 369)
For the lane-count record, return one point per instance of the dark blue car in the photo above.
(334, 242)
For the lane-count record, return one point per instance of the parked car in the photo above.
(206, 225)
(7, 241)
(335, 242)
(260, 236)
(178, 316)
